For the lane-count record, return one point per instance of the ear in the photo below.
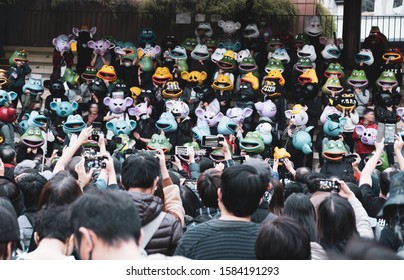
(93, 30)
(157, 49)
(53, 105)
(400, 111)
(86, 242)
(288, 113)
(259, 106)
(75, 31)
(184, 75)
(107, 101)
(203, 75)
(237, 25)
(71, 38)
(54, 41)
(247, 112)
(200, 113)
(132, 111)
(91, 44)
(325, 141)
(323, 40)
(107, 44)
(220, 23)
(169, 104)
(12, 95)
(128, 101)
(132, 124)
(110, 125)
(219, 116)
(360, 129)
(75, 105)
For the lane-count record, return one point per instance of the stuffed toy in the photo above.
(252, 143)
(159, 142)
(180, 111)
(223, 86)
(83, 36)
(153, 52)
(62, 55)
(7, 117)
(358, 81)
(30, 144)
(229, 28)
(169, 125)
(121, 129)
(201, 129)
(392, 62)
(146, 37)
(32, 91)
(203, 32)
(333, 152)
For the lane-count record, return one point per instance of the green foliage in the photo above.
(327, 20)
(223, 7)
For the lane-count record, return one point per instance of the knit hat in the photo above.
(9, 230)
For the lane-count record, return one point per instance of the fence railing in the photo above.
(38, 27)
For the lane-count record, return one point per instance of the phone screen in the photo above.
(390, 131)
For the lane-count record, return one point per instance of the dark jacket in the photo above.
(165, 240)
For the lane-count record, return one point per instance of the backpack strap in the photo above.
(151, 228)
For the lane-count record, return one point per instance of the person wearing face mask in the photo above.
(127, 71)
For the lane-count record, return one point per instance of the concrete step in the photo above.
(29, 49)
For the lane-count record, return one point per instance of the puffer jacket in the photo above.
(165, 240)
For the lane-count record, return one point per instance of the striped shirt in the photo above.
(219, 240)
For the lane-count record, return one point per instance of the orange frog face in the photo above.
(161, 76)
(250, 78)
(308, 76)
(223, 82)
(275, 74)
(107, 73)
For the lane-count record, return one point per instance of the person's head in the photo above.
(295, 187)
(207, 185)
(140, 171)
(299, 207)
(241, 190)
(283, 239)
(312, 180)
(9, 234)
(277, 200)
(263, 168)
(35, 106)
(190, 201)
(71, 166)
(336, 223)
(93, 109)
(53, 223)
(31, 186)
(369, 115)
(8, 154)
(61, 190)
(11, 191)
(205, 164)
(385, 179)
(302, 174)
(103, 223)
(367, 249)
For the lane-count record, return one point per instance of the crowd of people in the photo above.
(203, 150)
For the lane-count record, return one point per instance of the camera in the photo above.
(327, 185)
(211, 141)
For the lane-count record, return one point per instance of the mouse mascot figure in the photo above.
(84, 52)
(194, 90)
(62, 55)
(365, 136)
(145, 124)
(223, 86)
(299, 141)
(229, 28)
(161, 76)
(101, 55)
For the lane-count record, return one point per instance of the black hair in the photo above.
(53, 223)
(368, 110)
(312, 180)
(7, 154)
(71, 165)
(205, 164)
(207, 185)
(336, 223)
(385, 179)
(11, 191)
(62, 189)
(242, 189)
(302, 174)
(277, 200)
(112, 216)
(140, 171)
(283, 239)
(299, 207)
(367, 249)
(5, 203)
(31, 186)
(190, 201)
(295, 187)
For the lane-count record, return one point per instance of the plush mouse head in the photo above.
(64, 109)
(153, 52)
(229, 27)
(118, 104)
(179, 109)
(238, 115)
(107, 73)
(7, 97)
(62, 42)
(194, 78)
(161, 76)
(167, 122)
(223, 82)
(84, 34)
(74, 124)
(367, 135)
(334, 125)
(121, 127)
(100, 46)
(313, 26)
(212, 115)
(142, 110)
(242, 54)
(34, 85)
(266, 109)
(18, 57)
(298, 115)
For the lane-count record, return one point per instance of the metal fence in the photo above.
(38, 27)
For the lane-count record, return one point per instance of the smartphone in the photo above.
(211, 141)
(390, 131)
(172, 158)
(327, 185)
(95, 136)
(181, 150)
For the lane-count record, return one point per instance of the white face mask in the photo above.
(127, 64)
(144, 117)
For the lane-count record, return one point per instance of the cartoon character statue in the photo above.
(334, 125)
(367, 135)
(159, 142)
(62, 55)
(83, 36)
(194, 89)
(180, 110)
(252, 143)
(30, 144)
(121, 129)
(7, 97)
(358, 81)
